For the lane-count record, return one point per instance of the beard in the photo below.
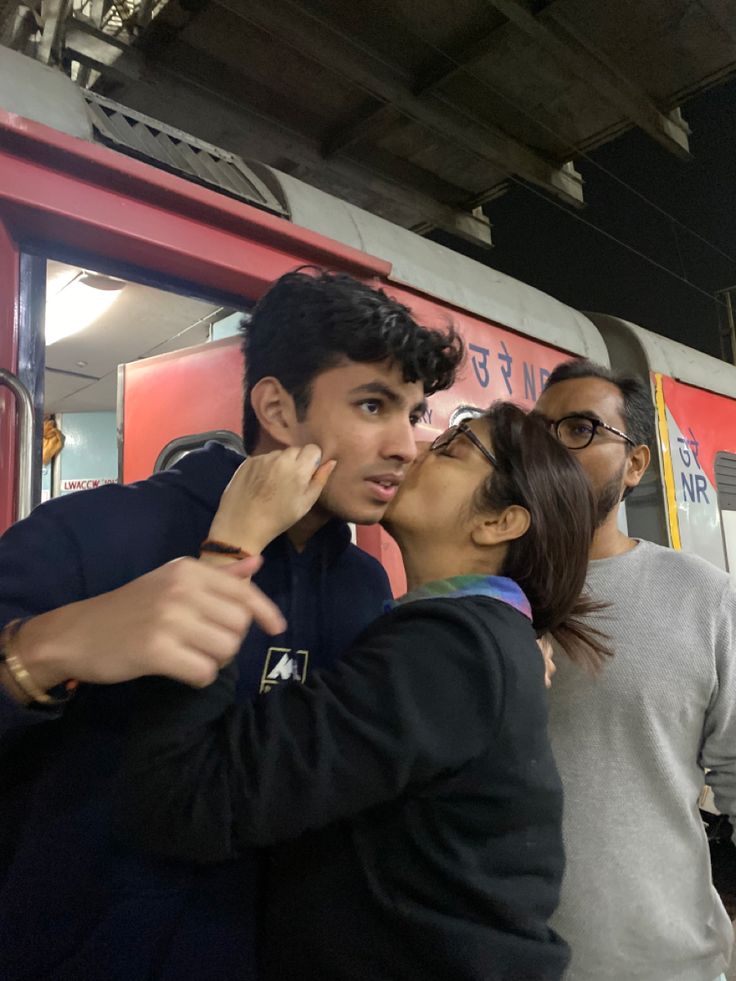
(609, 497)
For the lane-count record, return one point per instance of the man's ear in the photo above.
(503, 526)
(636, 465)
(275, 411)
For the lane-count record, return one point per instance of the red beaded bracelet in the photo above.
(222, 548)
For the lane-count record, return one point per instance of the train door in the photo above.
(21, 374)
(104, 213)
(72, 326)
(173, 403)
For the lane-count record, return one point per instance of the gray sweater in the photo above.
(631, 745)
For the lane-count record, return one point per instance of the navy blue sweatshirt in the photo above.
(410, 796)
(74, 904)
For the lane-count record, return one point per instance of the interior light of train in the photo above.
(79, 303)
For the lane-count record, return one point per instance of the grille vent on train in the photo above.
(147, 139)
(725, 471)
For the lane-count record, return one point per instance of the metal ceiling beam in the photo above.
(373, 159)
(328, 48)
(377, 122)
(54, 15)
(370, 126)
(95, 50)
(187, 61)
(407, 172)
(466, 221)
(114, 59)
(552, 31)
(722, 15)
(473, 226)
(19, 23)
(457, 62)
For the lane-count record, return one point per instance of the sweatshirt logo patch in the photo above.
(283, 664)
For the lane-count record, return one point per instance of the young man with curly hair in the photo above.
(108, 586)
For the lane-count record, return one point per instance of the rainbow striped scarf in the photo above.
(497, 587)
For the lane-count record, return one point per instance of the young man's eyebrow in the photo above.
(390, 394)
(376, 388)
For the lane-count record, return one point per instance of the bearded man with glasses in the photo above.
(633, 743)
(577, 432)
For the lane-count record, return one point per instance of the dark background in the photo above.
(543, 243)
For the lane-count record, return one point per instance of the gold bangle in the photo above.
(18, 672)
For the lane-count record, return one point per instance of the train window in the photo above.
(725, 474)
(178, 448)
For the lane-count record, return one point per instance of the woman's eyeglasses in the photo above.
(462, 429)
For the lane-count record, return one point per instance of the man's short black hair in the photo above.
(638, 408)
(310, 320)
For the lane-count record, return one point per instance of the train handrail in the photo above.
(26, 427)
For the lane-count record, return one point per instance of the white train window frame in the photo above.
(725, 480)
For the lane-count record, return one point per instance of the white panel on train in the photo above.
(666, 356)
(42, 94)
(696, 406)
(697, 499)
(439, 272)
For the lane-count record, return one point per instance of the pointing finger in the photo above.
(264, 611)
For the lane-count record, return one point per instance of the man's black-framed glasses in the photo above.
(577, 432)
(462, 429)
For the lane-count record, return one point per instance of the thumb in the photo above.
(321, 475)
(245, 568)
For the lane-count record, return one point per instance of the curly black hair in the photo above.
(310, 320)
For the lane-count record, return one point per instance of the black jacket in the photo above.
(409, 797)
(74, 905)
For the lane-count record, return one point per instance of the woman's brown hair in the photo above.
(550, 560)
